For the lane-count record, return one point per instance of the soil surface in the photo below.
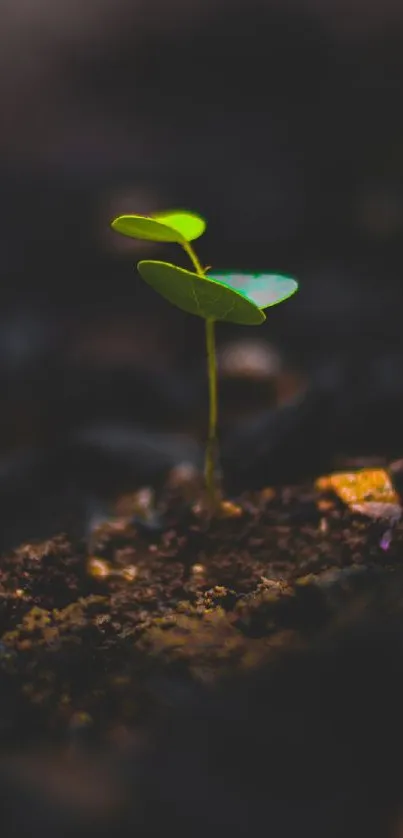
(108, 640)
(87, 627)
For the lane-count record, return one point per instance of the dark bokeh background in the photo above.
(282, 123)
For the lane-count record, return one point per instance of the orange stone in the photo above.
(369, 485)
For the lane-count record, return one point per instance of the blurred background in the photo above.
(281, 122)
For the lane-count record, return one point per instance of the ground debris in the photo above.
(192, 602)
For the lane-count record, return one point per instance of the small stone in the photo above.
(98, 568)
(358, 487)
(272, 584)
(129, 572)
(227, 509)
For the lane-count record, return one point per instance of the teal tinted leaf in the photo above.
(262, 289)
(176, 226)
(203, 296)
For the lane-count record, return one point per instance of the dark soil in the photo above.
(148, 624)
(87, 627)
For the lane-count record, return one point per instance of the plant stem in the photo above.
(193, 258)
(212, 446)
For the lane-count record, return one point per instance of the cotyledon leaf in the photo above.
(262, 289)
(203, 296)
(175, 226)
(188, 224)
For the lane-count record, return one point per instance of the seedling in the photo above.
(233, 297)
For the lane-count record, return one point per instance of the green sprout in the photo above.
(232, 297)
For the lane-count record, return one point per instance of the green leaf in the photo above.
(189, 225)
(177, 226)
(262, 289)
(203, 296)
